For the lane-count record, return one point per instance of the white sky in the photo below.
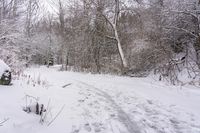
(49, 6)
(52, 7)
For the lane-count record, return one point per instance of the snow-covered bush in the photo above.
(5, 73)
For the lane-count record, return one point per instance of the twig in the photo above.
(3, 121)
(66, 85)
(42, 119)
(56, 115)
(36, 99)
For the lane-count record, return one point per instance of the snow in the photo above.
(3, 67)
(98, 104)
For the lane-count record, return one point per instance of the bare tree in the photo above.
(114, 24)
(32, 8)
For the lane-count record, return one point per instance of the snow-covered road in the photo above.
(98, 104)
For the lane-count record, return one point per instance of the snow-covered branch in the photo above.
(182, 29)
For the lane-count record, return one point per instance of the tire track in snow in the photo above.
(123, 117)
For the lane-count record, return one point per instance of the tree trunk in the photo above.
(116, 18)
(122, 57)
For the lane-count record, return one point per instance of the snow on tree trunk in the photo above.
(123, 59)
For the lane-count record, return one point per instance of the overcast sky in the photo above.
(52, 7)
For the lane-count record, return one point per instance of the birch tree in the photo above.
(114, 24)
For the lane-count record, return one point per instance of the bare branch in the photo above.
(185, 12)
(185, 30)
(56, 115)
(110, 37)
(111, 24)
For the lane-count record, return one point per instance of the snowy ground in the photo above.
(98, 104)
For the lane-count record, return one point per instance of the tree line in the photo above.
(131, 37)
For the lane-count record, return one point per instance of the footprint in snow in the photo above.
(75, 129)
(98, 127)
(87, 127)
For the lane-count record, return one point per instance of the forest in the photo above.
(123, 37)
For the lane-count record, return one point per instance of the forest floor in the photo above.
(97, 104)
